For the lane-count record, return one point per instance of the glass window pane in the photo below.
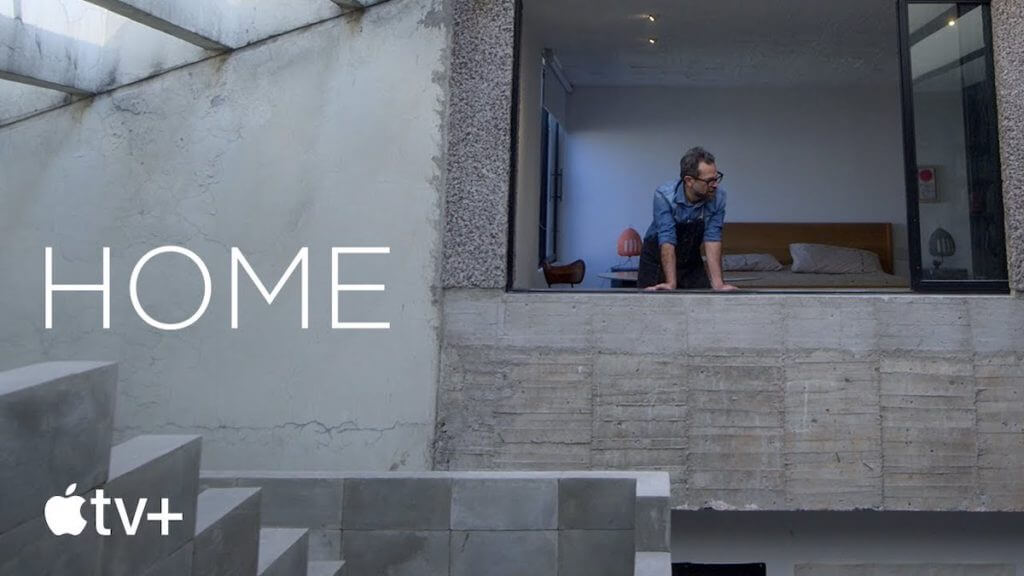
(956, 139)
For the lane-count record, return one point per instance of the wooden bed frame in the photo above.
(775, 237)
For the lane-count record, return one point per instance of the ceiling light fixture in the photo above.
(651, 18)
(952, 22)
(652, 40)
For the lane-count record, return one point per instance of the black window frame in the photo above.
(917, 282)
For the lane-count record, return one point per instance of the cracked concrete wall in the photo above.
(767, 402)
(327, 136)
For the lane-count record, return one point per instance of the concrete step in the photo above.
(326, 568)
(283, 552)
(154, 468)
(56, 422)
(227, 532)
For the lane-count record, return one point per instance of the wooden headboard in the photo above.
(775, 237)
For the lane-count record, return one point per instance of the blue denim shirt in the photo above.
(671, 207)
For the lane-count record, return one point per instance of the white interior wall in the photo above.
(800, 154)
(784, 539)
(270, 149)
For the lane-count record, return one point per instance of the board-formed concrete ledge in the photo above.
(749, 401)
(56, 424)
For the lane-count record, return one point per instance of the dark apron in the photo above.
(690, 272)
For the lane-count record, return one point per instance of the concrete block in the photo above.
(283, 552)
(31, 549)
(324, 544)
(326, 568)
(507, 553)
(653, 564)
(397, 504)
(298, 502)
(596, 503)
(177, 564)
(504, 504)
(227, 532)
(396, 553)
(653, 524)
(151, 467)
(595, 553)
(56, 423)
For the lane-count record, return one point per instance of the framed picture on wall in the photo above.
(927, 188)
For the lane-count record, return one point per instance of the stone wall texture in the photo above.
(1008, 43)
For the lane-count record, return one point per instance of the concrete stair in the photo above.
(283, 552)
(227, 532)
(56, 426)
(150, 467)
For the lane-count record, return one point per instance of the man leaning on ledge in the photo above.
(688, 213)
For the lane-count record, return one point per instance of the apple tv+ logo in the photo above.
(63, 514)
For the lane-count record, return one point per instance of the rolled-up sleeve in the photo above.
(663, 220)
(716, 219)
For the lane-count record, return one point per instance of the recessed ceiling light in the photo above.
(952, 22)
(651, 18)
(652, 40)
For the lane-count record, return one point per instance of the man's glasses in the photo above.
(709, 181)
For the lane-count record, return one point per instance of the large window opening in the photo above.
(952, 143)
(802, 107)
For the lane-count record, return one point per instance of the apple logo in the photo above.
(64, 515)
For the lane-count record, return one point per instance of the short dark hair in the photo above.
(692, 159)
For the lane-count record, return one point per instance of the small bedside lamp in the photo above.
(630, 244)
(941, 245)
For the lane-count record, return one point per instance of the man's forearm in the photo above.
(668, 263)
(713, 263)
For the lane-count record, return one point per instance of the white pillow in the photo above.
(824, 259)
(750, 262)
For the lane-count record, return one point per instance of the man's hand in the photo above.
(660, 287)
(723, 287)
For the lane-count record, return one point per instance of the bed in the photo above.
(775, 237)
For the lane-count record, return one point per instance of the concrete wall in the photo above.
(330, 136)
(799, 154)
(762, 402)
